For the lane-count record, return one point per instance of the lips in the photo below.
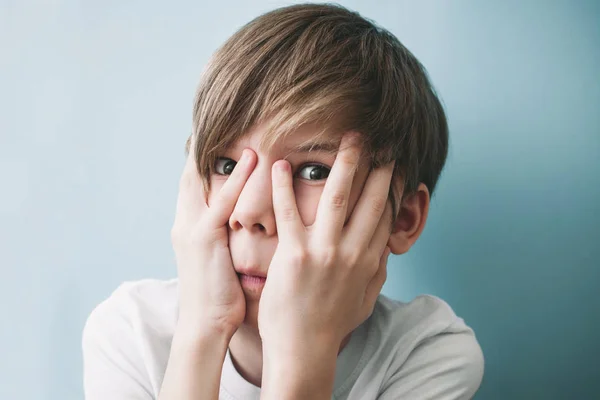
(250, 271)
(252, 281)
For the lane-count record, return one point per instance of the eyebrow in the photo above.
(329, 146)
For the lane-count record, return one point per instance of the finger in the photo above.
(287, 217)
(375, 285)
(333, 204)
(371, 205)
(382, 233)
(230, 191)
(191, 199)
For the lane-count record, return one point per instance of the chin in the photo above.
(251, 319)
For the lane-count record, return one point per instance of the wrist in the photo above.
(306, 347)
(197, 325)
(195, 364)
(302, 370)
(201, 339)
(294, 379)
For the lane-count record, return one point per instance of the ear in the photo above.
(410, 220)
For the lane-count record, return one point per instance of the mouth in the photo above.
(250, 271)
(252, 285)
(252, 280)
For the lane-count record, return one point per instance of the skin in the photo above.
(322, 244)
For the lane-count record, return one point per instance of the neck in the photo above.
(245, 349)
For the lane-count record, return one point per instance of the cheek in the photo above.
(307, 199)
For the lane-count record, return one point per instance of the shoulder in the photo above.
(424, 315)
(134, 304)
(425, 345)
(127, 337)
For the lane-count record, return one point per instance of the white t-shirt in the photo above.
(418, 350)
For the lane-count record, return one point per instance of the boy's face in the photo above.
(252, 228)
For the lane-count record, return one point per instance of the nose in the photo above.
(254, 208)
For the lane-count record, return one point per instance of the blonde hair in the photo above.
(322, 64)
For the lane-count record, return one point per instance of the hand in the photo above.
(210, 296)
(324, 279)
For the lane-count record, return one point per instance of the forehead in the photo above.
(306, 138)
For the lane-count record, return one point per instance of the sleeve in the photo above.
(448, 366)
(113, 367)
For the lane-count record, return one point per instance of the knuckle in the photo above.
(299, 256)
(287, 214)
(329, 255)
(338, 200)
(349, 156)
(354, 258)
(378, 205)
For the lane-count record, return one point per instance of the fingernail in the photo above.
(245, 156)
(282, 167)
(353, 138)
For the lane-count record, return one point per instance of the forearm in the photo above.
(302, 375)
(194, 368)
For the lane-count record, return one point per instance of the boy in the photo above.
(317, 142)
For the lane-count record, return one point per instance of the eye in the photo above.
(313, 172)
(224, 166)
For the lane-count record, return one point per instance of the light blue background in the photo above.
(95, 106)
